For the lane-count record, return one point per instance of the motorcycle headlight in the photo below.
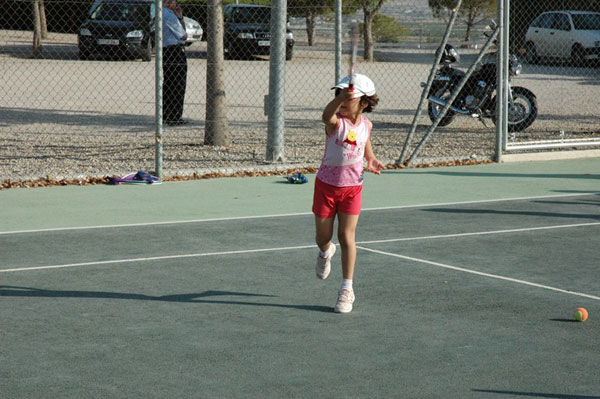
(85, 32)
(246, 35)
(515, 68)
(135, 34)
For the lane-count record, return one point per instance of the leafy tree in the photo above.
(387, 29)
(370, 8)
(471, 12)
(310, 10)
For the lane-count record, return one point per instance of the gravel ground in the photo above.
(64, 119)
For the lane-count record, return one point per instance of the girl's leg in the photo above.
(347, 238)
(324, 228)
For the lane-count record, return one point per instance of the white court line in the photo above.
(496, 276)
(226, 219)
(112, 226)
(197, 255)
(481, 233)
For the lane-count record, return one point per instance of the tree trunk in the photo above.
(44, 25)
(369, 15)
(37, 29)
(470, 22)
(468, 34)
(216, 110)
(368, 36)
(310, 27)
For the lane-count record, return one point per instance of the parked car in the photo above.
(573, 35)
(248, 31)
(194, 31)
(125, 28)
(118, 28)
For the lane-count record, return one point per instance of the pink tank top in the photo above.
(342, 165)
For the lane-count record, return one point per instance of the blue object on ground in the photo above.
(140, 177)
(298, 178)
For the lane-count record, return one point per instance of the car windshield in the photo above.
(586, 21)
(252, 15)
(121, 12)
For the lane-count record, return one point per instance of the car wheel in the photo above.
(577, 57)
(531, 54)
(84, 55)
(289, 53)
(236, 53)
(233, 53)
(147, 53)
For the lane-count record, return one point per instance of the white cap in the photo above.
(363, 86)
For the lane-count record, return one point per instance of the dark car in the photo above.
(123, 28)
(248, 31)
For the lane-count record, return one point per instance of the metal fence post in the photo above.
(275, 136)
(427, 87)
(158, 88)
(338, 41)
(506, 68)
(500, 88)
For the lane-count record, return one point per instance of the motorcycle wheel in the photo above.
(524, 111)
(434, 110)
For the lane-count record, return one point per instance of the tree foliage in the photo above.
(471, 12)
(310, 10)
(370, 9)
(386, 29)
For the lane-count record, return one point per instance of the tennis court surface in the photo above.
(466, 283)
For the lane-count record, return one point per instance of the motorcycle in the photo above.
(477, 98)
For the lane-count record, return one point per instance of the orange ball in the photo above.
(581, 314)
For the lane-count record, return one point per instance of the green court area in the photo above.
(466, 283)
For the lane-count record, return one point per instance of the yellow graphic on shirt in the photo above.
(351, 139)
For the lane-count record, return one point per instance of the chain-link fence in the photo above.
(560, 44)
(78, 92)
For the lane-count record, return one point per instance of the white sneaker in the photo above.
(344, 301)
(324, 264)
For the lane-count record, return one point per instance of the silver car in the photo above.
(572, 35)
(193, 30)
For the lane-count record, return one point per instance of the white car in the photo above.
(193, 29)
(573, 35)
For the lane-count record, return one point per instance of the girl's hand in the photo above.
(374, 166)
(329, 116)
(346, 94)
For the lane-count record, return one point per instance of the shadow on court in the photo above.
(28, 292)
(517, 213)
(537, 394)
(523, 175)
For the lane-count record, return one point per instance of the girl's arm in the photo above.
(330, 112)
(373, 165)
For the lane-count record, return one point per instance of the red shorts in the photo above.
(328, 200)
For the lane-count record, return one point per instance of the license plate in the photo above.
(112, 42)
(264, 42)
